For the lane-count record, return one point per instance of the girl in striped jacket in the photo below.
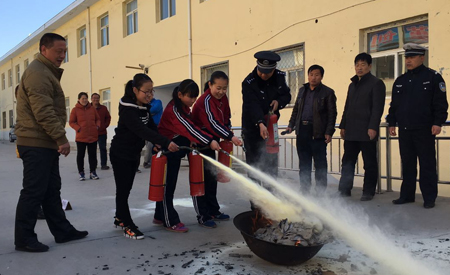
(176, 124)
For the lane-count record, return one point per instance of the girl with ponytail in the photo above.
(135, 125)
(176, 125)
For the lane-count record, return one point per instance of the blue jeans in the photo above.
(102, 146)
(41, 186)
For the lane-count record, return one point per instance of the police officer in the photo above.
(264, 89)
(419, 108)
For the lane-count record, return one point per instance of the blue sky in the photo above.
(19, 18)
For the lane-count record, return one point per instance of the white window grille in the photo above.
(292, 63)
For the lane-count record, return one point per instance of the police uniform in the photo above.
(419, 101)
(257, 95)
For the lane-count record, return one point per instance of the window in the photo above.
(104, 30)
(82, 41)
(106, 95)
(3, 81)
(17, 74)
(9, 78)
(132, 17)
(167, 8)
(66, 58)
(67, 108)
(11, 118)
(385, 44)
(25, 64)
(292, 63)
(208, 70)
(4, 120)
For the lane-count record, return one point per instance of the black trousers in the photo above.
(207, 206)
(165, 210)
(41, 186)
(418, 144)
(307, 149)
(92, 155)
(369, 154)
(102, 146)
(124, 173)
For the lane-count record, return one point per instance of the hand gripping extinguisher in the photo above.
(272, 143)
(225, 159)
(196, 176)
(157, 177)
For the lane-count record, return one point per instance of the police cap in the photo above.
(267, 61)
(412, 49)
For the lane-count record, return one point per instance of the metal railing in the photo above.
(288, 159)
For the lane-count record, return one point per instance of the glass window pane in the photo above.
(172, 8)
(136, 22)
(129, 24)
(131, 6)
(383, 68)
(383, 40)
(164, 9)
(416, 33)
(104, 21)
(104, 37)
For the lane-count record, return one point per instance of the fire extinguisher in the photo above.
(272, 143)
(157, 177)
(225, 159)
(196, 176)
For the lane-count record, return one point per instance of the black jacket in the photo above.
(419, 100)
(257, 95)
(135, 125)
(324, 110)
(363, 107)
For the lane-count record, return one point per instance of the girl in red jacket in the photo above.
(85, 121)
(212, 114)
(176, 124)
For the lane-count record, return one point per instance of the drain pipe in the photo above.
(89, 49)
(190, 38)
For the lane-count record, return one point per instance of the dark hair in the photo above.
(82, 94)
(364, 57)
(316, 67)
(16, 90)
(187, 87)
(48, 39)
(215, 75)
(95, 94)
(137, 82)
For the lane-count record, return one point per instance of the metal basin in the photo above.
(275, 253)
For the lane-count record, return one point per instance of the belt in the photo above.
(306, 122)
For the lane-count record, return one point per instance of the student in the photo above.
(85, 120)
(211, 113)
(176, 124)
(134, 126)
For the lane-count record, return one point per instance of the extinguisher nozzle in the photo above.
(243, 148)
(225, 152)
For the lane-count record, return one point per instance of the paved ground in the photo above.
(424, 233)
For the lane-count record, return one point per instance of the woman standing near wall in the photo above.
(85, 121)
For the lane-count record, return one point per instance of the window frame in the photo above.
(66, 58)
(103, 28)
(107, 101)
(3, 81)
(82, 41)
(17, 74)
(4, 119)
(135, 18)
(205, 75)
(10, 78)
(171, 9)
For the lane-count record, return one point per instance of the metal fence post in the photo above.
(388, 161)
(379, 163)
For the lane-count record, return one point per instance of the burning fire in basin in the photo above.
(281, 242)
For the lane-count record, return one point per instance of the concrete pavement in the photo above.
(425, 233)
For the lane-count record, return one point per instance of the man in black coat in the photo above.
(419, 108)
(360, 126)
(314, 118)
(264, 89)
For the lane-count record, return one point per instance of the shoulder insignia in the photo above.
(281, 72)
(250, 80)
(442, 87)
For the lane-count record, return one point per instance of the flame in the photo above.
(297, 243)
(260, 221)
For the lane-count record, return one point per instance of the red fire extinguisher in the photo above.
(272, 143)
(225, 159)
(157, 177)
(196, 176)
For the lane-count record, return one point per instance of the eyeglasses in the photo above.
(148, 92)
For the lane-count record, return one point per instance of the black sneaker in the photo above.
(35, 247)
(72, 236)
(105, 167)
(133, 232)
(118, 223)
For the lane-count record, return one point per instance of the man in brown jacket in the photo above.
(41, 138)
